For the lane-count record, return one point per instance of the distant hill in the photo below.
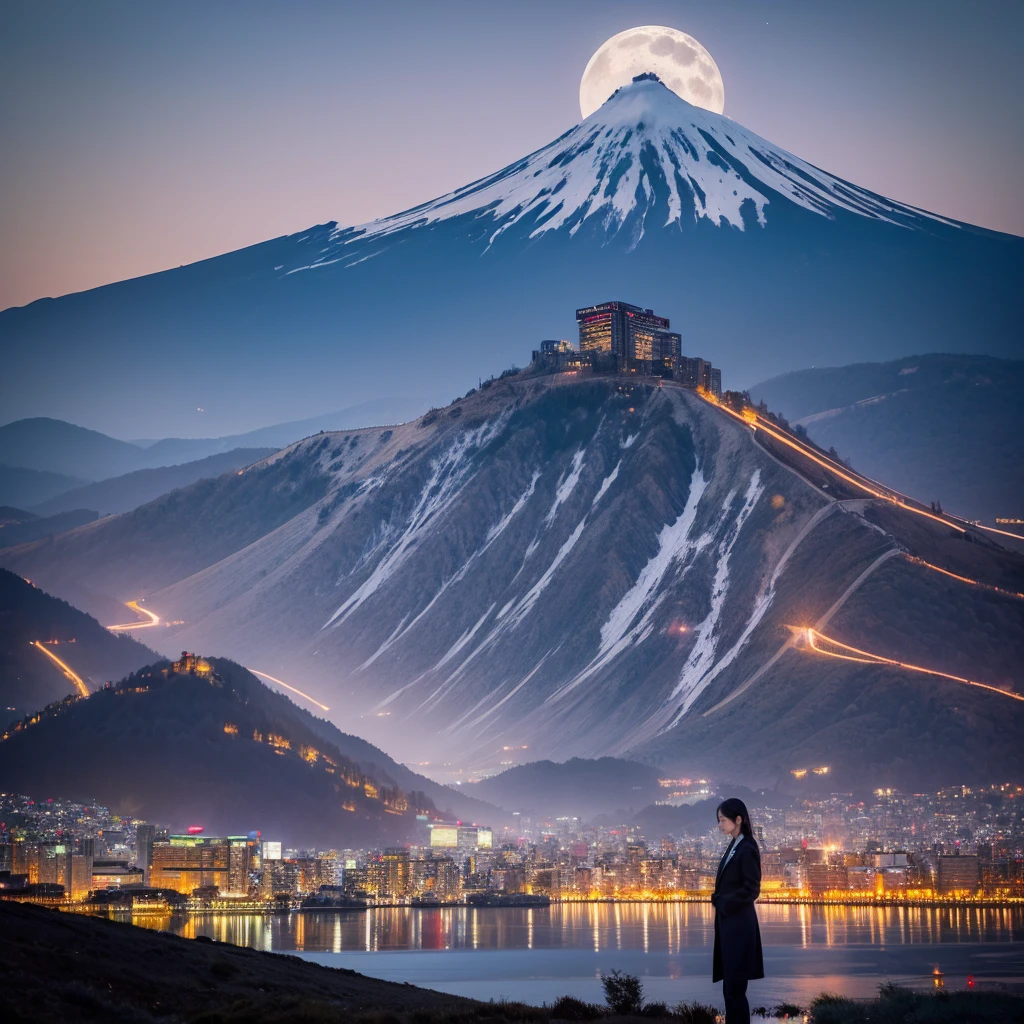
(581, 786)
(29, 679)
(22, 487)
(378, 411)
(41, 458)
(123, 493)
(54, 446)
(223, 750)
(939, 427)
(33, 527)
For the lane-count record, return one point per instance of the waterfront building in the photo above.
(185, 863)
(115, 874)
(958, 874)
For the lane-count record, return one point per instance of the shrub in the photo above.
(696, 1013)
(829, 1008)
(569, 1008)
(623, 993)
(655, 1010)
(787, 1010)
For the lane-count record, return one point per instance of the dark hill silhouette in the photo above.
(28, 679)
(220, 749)
(114, 972)
(580, 786)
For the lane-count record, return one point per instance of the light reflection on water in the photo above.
(538, 954)
(663, 927)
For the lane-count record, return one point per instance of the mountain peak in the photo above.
(645, 159)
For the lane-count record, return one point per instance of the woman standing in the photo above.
(737, 935)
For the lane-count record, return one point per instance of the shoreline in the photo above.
(229, 908)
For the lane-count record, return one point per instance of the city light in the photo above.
(65, 668)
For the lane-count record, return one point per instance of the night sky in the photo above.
(138, 137)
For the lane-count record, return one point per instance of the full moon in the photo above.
(681, 63)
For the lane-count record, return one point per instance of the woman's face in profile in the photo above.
(727, 825)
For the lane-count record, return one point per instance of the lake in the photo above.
(537, 955)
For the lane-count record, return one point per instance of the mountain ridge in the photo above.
(757, 301)
(465, 583)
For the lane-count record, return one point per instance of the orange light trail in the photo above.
(964, 579)
(991, 529)
(757, 423)
(847, 653)
(65, 668)
(274, 679)
(154, 620)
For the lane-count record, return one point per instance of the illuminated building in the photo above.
(396, 861)
(558, 355)
(959, 873)
(115, 874)
(694, 372)
(192, 664)
(185, 863)
(630, 334)
(822, 878)
(444, 837)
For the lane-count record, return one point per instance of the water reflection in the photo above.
(645, 927)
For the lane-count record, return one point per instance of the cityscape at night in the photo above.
(512, 512)
(961, 844)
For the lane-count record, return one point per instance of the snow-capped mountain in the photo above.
(646, 153)
(763, 262)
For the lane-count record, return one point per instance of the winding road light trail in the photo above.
(124, 627)
(863, 483)
(965, 579)
(274, 679)
(65, 668)
(825, 645)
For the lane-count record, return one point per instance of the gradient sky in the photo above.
(138, 137)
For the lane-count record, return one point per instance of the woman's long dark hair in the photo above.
(732, 809)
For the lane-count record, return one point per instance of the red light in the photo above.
(194, 830)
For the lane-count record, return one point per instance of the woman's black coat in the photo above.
(737, 935)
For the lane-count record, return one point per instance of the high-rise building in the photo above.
(396, 876)
(145, 834)
(243, 862)
(185, 863)
(958, 873)
(630, 334)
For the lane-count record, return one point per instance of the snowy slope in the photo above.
(646, 151)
